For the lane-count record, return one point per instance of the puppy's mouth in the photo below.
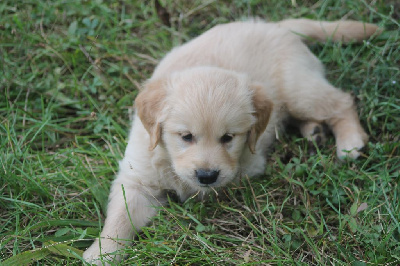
(209, 186)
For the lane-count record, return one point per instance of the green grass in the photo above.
(69, 72)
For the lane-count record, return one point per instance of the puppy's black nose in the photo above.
(206, 176)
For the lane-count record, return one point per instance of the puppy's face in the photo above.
(206, 118)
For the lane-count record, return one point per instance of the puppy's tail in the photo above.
(346, 30)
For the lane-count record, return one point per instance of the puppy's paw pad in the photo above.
(317, 135)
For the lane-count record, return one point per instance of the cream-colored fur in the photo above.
(215, 104)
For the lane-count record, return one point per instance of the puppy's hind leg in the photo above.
(314, 99)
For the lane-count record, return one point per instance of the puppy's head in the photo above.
(205, 118)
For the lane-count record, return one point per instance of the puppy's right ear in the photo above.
(149, 106)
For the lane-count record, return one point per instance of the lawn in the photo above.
(69, 73)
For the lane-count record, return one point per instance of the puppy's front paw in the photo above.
(96, 256)
(92, 254)
(350, 146)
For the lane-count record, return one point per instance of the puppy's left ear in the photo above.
(262, 111)
(149, 105)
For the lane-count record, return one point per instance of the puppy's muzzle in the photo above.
(206, 176)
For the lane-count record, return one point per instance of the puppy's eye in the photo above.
(226, 138)
(187, 137)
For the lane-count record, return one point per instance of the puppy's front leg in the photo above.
(120, 224)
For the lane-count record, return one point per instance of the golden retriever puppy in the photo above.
(211, 109)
